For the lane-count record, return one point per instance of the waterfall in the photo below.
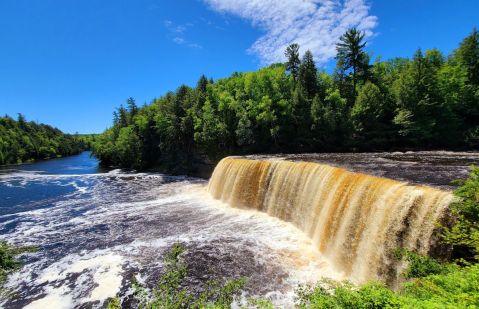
(355, 220)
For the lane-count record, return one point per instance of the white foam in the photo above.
(105, 270)
(273, 242)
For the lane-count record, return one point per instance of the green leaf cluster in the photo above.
(429, 101)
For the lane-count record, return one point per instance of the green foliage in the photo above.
(429, 101)
(421, 265)
(171, 294)
(456, 289)
(464, 235)
(331, 294)
(8, 262)
(308, 75)
(292, 53)
(352, 57)
(22, 141)
(114, 304)
(368, 116)
(260, 303)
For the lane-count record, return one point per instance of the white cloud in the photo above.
(196, 46)
(167, 23)
(190, 24)
(313, 24)
(179, 40)
(179, 29)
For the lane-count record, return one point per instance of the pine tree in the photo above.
(353, 57)
(308, 74)
(132, 109)
(201, 84)
(292, 53)
(468, 55)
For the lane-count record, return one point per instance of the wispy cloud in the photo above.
(179, 29)
(220, 28)
(314, 24)
(179, 40)
(209, 23)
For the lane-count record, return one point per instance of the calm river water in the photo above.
(97, 227)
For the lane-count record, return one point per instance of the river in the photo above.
(97, 227)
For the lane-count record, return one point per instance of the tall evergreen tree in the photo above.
(292, 53)
(468, 54)
(201, 84)
(468, 58)
(353, 57)
(308, 75)
(132, 109)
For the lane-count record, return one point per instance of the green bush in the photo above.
(328, 293)
(464, 236)
(420, 265)
(456, 289)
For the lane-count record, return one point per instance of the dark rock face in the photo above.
(432, 168)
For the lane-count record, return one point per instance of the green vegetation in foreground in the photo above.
(464, 236)
(454, 287)
(430, 101)
(22, 141)
(8, 264)
(431, 284)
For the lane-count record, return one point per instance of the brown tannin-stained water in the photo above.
(290, 223)
(355, 220)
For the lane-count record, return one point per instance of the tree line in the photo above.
(429, 101)
(23, 141)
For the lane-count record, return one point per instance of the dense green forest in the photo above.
(430, 101)
(23, 141)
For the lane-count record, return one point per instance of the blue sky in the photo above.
(70, 63)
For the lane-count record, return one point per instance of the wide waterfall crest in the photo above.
(355, 220)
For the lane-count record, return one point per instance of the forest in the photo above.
(22, 141)
(430, 101)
